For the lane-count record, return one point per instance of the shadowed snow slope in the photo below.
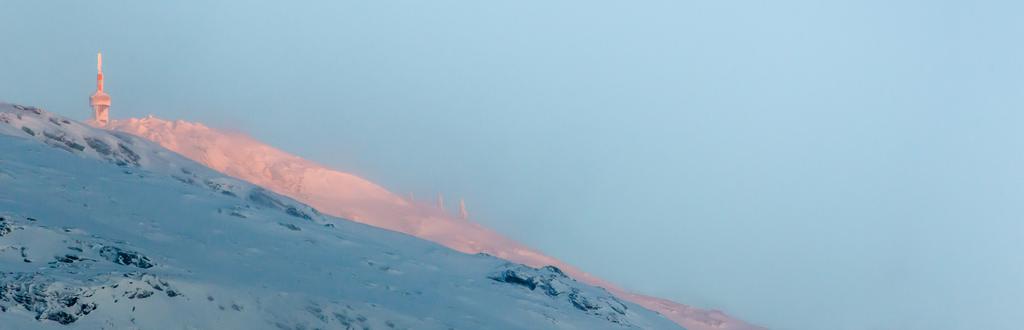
(105, 230)
(345, 195)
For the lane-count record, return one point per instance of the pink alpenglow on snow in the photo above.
(345, 195)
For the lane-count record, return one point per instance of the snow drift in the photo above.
(346, 195)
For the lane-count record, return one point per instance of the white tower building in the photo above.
(99, 101)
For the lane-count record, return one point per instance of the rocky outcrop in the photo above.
(552, 282)
(124, 257)
(6, 227)
(38, 294)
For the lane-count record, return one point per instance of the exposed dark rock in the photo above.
(69, 301)
(127, 156)
(350, 322)
(153, 282)
(581, 301)
(121, 156)
(549, 279)
(35, 293)
(67, 258)
(553, 269)
(28, 130)
(261, 197)
(74, 145)
(60, 140)
(220, 187)
(87, 308)
(32, 109)
(6, 227)
(292, 211)
(124, 257)
(101, 147)
(512, 277)
(554, 283)
(289, 226)
(61, 317)
(139, 294)
(184, 179)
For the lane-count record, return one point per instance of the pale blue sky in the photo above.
(798, 164)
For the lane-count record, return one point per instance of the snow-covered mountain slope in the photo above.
(349, 196)
(105, 230)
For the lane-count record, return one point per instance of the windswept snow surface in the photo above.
(105, 230)
(346, 195)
